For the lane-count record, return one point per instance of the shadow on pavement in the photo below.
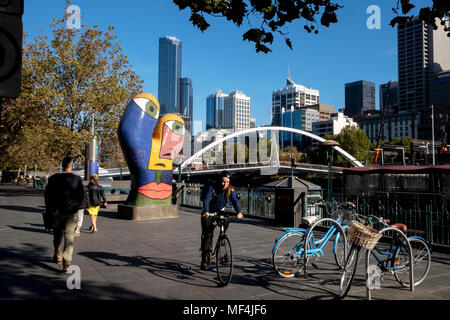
(40, 230)
(22, 209)
(174, 270)
(260, 273)
(28, 273)
(247, 272)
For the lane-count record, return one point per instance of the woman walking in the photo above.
(96, 199)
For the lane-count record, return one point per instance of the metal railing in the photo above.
(255, 203)
(425, 215)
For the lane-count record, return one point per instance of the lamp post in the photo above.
(292, 141)
(330, 144)
(432, 133)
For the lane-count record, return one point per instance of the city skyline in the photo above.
(347, 51)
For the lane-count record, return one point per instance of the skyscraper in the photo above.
(186, 102)
(292, 95)
(389, 97)
(214, 110)
(236, 111)
(169, 74)
(422, 51)
(359, 97)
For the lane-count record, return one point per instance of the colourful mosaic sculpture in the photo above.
(150, 144)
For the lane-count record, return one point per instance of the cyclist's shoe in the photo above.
(205, 264)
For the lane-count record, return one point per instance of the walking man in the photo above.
(63, 197)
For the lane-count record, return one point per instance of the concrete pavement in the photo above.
(159, 259)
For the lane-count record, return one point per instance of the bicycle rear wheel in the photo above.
(287, 259)
(421, 262)
(224, 260)
(338, 249)
(349, 271)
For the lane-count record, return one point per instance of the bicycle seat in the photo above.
(399, 226)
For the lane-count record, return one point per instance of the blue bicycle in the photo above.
(391, 257)
(288, 252)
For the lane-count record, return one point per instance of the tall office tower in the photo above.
(422, 51)
(440, 100)
(186, 102)
(389, 97)
(236, 111)
(214, 110)
(169, 74)
(359, 97)
(292, 95)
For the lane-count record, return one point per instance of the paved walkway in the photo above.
(159, 259)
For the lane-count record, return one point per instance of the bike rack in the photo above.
(411, 268)
(308, 235)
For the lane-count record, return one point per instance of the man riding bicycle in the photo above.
(216, 199)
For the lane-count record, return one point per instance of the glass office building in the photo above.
(186, 102)
(359, 97)
(169, 74)
(214, 110)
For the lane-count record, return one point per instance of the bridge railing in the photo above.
(255, 203)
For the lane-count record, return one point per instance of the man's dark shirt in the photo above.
(64, 192)
(216, 199)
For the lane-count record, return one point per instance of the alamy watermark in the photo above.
(374, 277)
(374, 20)
(73, 17)
(74, 280)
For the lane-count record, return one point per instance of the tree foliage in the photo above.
(355, 142)
(275, 15)
(66, 80)
(352, 140)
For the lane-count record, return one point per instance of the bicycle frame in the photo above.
(315, 246)
(388, 263)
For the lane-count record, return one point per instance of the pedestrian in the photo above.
(81, 211)
(215, 200)
(96, 199)
(63, 197)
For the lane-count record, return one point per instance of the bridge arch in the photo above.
(345, 154)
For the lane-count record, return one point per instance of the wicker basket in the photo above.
(363, 236)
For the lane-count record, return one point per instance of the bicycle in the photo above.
(288, 251)
(396, 259)
(222, 250)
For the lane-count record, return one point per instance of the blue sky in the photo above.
(219, 59)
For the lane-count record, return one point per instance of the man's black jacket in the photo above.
(64, 192)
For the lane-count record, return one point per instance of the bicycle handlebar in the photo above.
(223, 215)
(379, 220)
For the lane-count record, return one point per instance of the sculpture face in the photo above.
(150, 145)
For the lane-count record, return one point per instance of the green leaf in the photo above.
(199, 21)
(254, 35)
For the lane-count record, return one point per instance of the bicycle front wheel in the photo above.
(349, 271)
(288, 256)
(224, 260)
(421, 262)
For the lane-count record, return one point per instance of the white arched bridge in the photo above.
(257, 159)
(267, 164)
